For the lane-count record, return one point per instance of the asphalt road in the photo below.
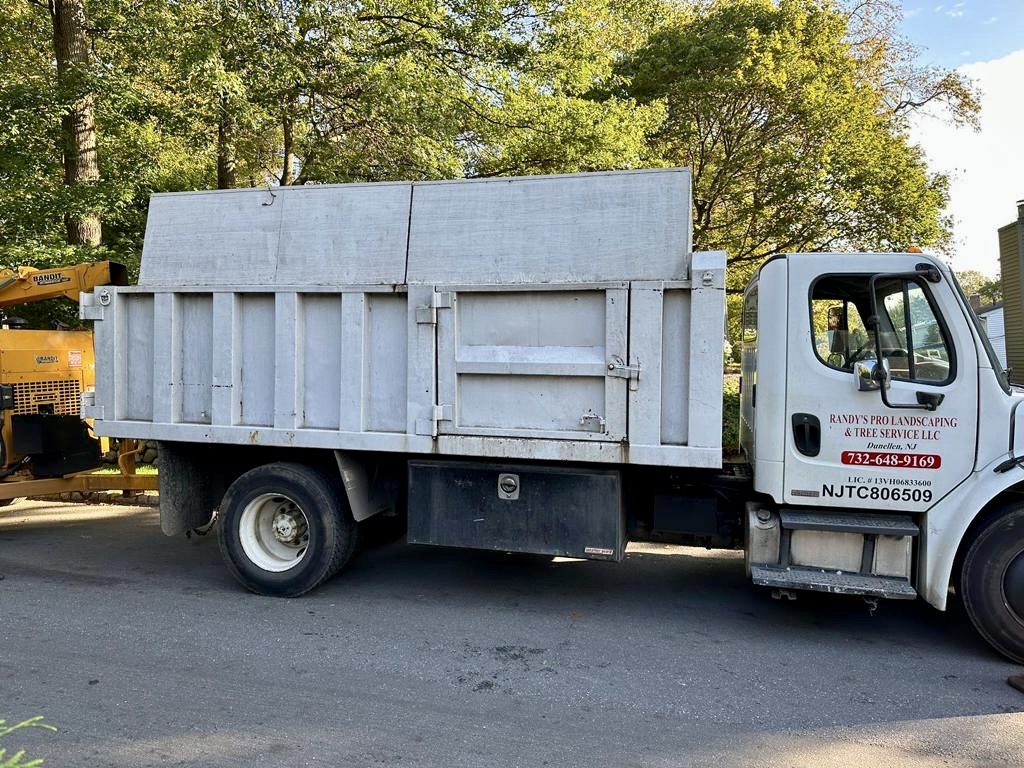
(143, 652)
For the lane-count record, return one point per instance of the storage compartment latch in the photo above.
(428, 315)
(592, 422)
(619, 369)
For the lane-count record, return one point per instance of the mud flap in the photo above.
(189, 490)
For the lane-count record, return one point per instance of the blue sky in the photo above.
(983, 39)
(955, 32)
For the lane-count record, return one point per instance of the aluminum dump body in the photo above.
(548, 317)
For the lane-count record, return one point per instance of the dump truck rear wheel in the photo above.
(285, 528)
(992, 582)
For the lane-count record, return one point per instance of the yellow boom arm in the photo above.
(27, 284)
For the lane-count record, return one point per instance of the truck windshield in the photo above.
(993, 358)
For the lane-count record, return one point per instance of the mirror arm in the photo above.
(926, 401)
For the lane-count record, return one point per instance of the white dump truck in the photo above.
(535, 365)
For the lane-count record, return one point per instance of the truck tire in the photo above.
(285, 528)
(992, 582)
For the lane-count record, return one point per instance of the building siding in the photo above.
(1010, 238)
(995, 327)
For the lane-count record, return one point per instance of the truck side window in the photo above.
(840, 335)
(919, 351)
(749, 320)
(913, 340)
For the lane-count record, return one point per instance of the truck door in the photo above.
(846, 447)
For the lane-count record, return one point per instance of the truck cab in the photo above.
(880, 428)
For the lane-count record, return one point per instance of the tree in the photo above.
(796, 137)
(892, 64)
(202, 93)
(974, 282)
(295, 91)
(78, 125)
(54, 108)
(47, 105)
(29, 137)
(792, 148)
(473, 88)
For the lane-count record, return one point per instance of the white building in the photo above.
(992, 319)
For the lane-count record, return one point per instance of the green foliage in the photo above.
(891, 63)
(731, 415)
(18, 759)
(974, 282)
(791, 113)
(343, 91)
(793, 147)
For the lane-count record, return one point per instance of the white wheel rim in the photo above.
(274, 532)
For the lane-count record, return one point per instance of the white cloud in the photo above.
(938, 8)
(912, 12)
(991, 20)
(986, 168)
(965, 54)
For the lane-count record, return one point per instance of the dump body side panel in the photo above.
(424, 319)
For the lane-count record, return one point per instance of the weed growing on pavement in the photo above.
(18, 759)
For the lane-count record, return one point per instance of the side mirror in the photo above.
(870, 374)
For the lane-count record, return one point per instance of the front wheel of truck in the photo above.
(285, 528)
(992, 582)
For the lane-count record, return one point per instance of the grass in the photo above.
(140, 469)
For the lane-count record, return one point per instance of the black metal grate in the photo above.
(61, 397)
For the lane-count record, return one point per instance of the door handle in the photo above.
(807, 434)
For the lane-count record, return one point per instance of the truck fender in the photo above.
(946, 524)
(372, 483)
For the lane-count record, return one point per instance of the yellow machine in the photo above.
(41, 372)
(42, 377)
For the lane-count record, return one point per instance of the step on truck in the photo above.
(535, 365)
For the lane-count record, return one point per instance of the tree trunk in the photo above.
(78, 126)
(288, 170)
(227, 161)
